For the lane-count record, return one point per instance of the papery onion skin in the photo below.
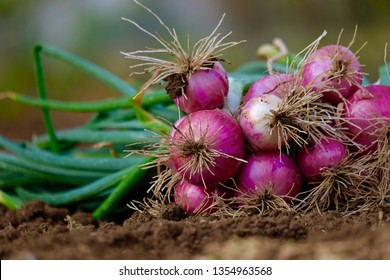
(267, 169)
(318, 73)
(364, 111)
(198, 199)
(213, 130)
(255, 123)
(275, 84)
(205, 90)
(311, 160)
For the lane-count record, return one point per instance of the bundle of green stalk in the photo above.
(62, 167)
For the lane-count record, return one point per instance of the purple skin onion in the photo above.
(205, 90)
(334, 67)
(198, 199)
(269, 169)
(311, 160)
(276, 84)
(207, 147)
(364, 111)
(255, 122)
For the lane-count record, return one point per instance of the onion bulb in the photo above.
(255, 122)
(275, 84)
(207, 147)
(198, 199)
(335, 71)
(269, 170)
(365, 112)
(313, 159)
(202, 89)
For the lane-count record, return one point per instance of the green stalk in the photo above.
(10, 180)
(73, 176)
(261, 68)
(42, 95)
(89, 68)
(245, 79)
(84, 135)
(44, 157)
(150, 122)
(67, 106)
(384, 74)
(156, 97)
(77, 194)
(10, 201)
(83, 107)
(23, 171)
(108, 124)
(134, 175)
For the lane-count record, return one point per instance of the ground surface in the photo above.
(38, 231)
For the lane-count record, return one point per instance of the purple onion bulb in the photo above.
(207, 147)
(205, 90)
(311, 160)
(269, 170)
(335, 68)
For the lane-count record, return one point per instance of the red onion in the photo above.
(207, 147)
(204, 90)
(197, 199)
(364, 112)
(334, 68)
(195, 78)
(255, 122)
(276, 84)
(269, 169)
(311, 160)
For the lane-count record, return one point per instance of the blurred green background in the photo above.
(93, 29)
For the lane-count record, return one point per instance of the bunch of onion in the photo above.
(208, 147)
(299, 109)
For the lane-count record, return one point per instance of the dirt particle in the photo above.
(173, 212)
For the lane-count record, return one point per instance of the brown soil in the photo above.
(38, 231)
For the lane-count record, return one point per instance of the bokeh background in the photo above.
(93, 29)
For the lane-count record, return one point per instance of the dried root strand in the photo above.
(165, 178)
(377, 197)
(341, 69)
(152, 205)
(264, 203)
